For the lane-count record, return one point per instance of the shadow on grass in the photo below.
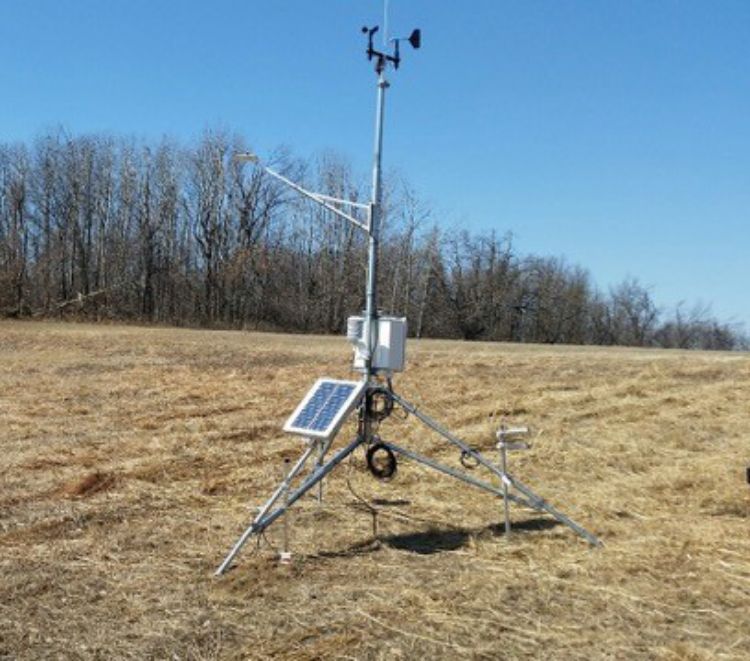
(438, 540)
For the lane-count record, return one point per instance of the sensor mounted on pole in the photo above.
(379, 350)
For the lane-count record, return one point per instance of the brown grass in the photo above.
(132, 460)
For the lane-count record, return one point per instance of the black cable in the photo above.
(374, 454)
(379, 403)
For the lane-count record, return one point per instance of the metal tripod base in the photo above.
(530, 499)
(525, 495)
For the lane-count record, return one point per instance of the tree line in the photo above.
(100, 227)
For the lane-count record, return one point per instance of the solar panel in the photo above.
(324, 407)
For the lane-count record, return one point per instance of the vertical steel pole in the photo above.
(504, 464)
(321, 453)
(371, 300)
(371, 296)
(285, 555)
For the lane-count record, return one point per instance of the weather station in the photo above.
(379, 351)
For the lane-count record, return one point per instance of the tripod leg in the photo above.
(264, 510)
(435, 426)
(262, 522)
(309, 482)
(459, 475)
(541, 504)
(536, 502)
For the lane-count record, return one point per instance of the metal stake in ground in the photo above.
(504, 444)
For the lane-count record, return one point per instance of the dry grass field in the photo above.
(133, 458)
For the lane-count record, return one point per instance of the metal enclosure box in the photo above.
(390, 343)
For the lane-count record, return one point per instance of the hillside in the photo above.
(133, 459)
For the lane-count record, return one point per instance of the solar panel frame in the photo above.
(324, 408)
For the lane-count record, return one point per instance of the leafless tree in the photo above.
(99, 226)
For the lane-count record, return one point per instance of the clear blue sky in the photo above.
(614, 133)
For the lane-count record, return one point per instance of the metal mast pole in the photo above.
(382, 60)
(371, 309)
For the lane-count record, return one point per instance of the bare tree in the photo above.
(634, 315)
(14, 228)
(98, 226)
